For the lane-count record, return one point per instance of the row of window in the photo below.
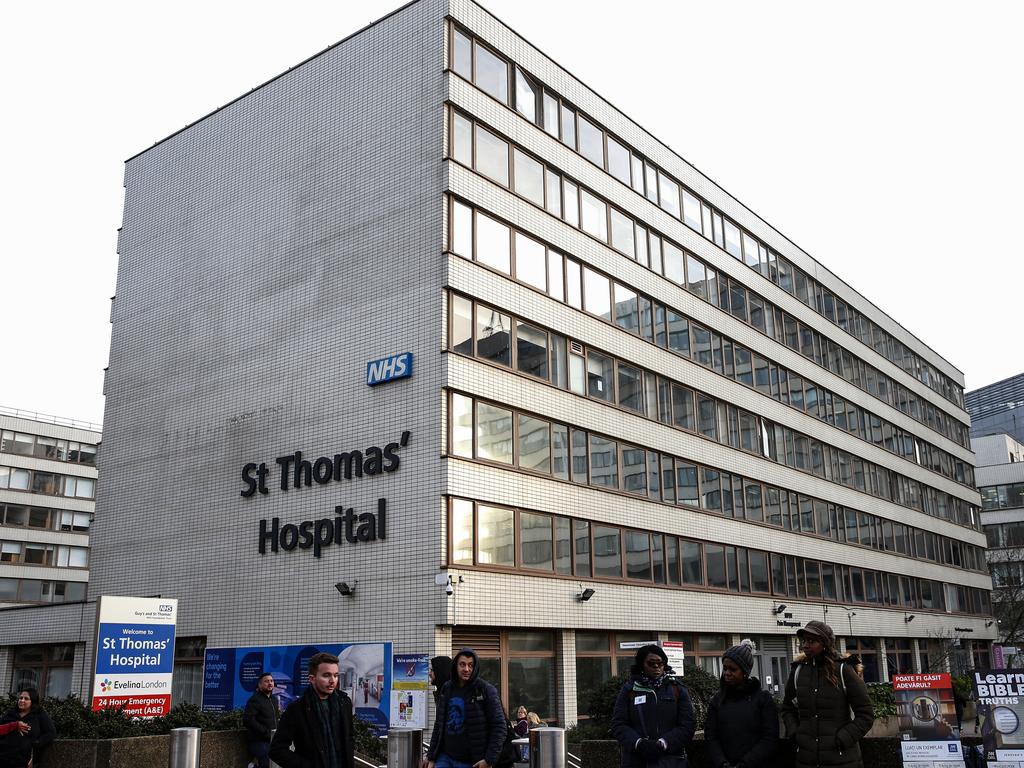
(493, 156)
(40, 591)
(1005, 535)
(47, 447)
(503, 537)
(1007, 573)
(489, 432)
(493, 74)
(480, 237)
(484, 332)
(49, 483)
(36, 553)
(1006, 496)
(40, 517)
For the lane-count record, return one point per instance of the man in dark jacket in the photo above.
(821, 693)
(319, 723)
(653, 716)
(470, 726)
(260, 719)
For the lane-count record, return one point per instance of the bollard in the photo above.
(547, 748)
(185, 747)
(405, 747)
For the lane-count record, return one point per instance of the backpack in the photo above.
(507, 755)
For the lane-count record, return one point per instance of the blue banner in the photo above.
(364, 673)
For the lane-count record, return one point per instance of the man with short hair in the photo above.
(470, 726)
(260, 719)
(318, 724)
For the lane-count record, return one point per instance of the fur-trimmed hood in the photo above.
(852, 659)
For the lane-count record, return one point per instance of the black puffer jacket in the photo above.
(643, 713)
(260, 716)
(742, 726)
(485, 723)
(16, 749)
(818, 714)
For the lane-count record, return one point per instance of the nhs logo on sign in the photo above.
(388, 369)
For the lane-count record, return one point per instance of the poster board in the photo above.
(409, 684)
(926, 714)
(999, 694)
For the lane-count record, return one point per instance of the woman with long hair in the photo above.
(18, 748)
(742, 726)
(826, 708)
(653, 716)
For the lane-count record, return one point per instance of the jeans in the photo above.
(443, 761)
(260, 750)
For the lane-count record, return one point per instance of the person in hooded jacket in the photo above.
(821, 693)
(440, 672)
(470, 725)
(742, 726)
(653, 715)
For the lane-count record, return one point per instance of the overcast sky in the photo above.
(884, 138)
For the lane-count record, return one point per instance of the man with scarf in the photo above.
(319, 723)
(653, 716)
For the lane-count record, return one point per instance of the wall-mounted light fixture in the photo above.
(909, 617)
(585, 595)
(989, 623)
(779, 608)
(345, 589)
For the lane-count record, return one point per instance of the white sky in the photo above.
(884, 138)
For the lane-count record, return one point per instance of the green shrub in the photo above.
(587, 731)
(883, 700)
(701, 685)
(367, 743)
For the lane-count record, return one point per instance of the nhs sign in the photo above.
(388, 369)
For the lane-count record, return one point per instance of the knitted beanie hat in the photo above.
(742, 656)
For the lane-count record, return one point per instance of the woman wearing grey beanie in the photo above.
(742, 726)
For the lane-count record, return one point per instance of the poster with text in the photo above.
(409, 684)
(364, 673)
(999, 694)
(134, 655)
(926, 712)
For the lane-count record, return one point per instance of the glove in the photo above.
(649, 749)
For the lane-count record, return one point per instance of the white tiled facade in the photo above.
(274, 248)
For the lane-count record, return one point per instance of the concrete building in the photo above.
(996, 409)
(635, 410)
(47, 498)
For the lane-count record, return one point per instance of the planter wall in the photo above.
(219, 749)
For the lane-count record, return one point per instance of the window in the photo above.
(491, 155)
(187, 687)
(491, 73)
(46, 667)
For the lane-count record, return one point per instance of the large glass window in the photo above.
(493, 433)
(495, 536)
(491, 74)
(491, 155)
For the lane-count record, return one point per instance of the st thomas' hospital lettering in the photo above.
(346, 525)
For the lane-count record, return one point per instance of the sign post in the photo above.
(929, 731)
(134, 655)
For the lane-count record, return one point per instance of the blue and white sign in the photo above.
(388, 369)
(134, 655)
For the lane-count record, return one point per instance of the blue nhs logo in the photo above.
(388, 369)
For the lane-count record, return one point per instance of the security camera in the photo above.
(449, 589)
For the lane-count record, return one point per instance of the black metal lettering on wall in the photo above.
(346, 525)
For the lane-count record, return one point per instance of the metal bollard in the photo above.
(185, 747)
(547, 748)
(405, 747)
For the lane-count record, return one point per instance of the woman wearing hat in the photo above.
(653, 717)
(742, 727)
(826, 707)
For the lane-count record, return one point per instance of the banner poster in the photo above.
(409, 684)
(231, 675)
(1000, 697)
(134, 655)
(926, 712)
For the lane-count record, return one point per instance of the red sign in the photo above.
(921, 682)
(135, 706)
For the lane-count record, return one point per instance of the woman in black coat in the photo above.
(653, 716)
(17, 749)
(742, 727)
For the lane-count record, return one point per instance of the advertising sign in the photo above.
(673, 650)
(1000, 697)
(231, 675)
(409, 683)
(134, 655)
(929, 733)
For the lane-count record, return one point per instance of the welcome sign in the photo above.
(134, 655)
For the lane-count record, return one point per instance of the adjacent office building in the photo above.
(997, 409)
(428, 316)
(47, 495)
(1000, 478)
